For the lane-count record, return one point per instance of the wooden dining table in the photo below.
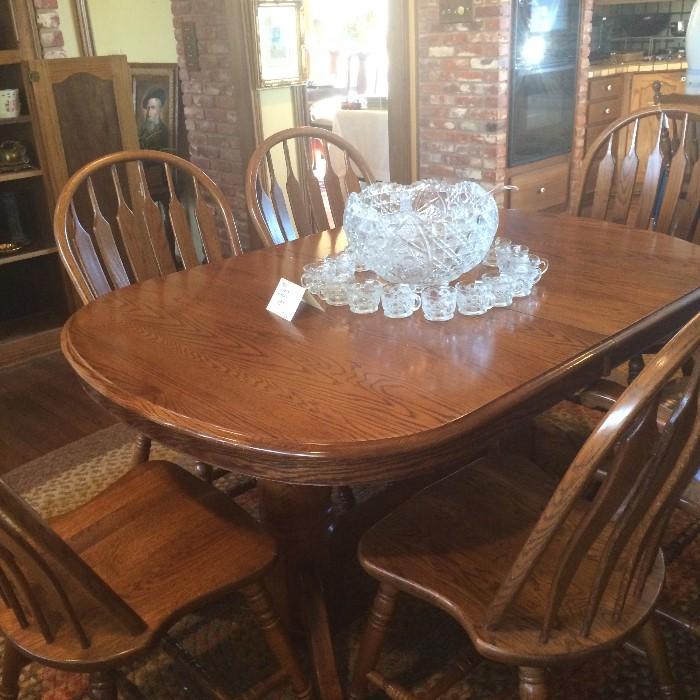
(331, 398)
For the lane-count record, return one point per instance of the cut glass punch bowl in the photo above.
(431, 232)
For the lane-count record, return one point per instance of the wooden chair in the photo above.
(668, 198)
(101, 584)
(111, 232)
(540, 574)
(316, 204)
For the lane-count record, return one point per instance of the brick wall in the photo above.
(210, 102)
(581, 99)
(49, 25)
(463, 92)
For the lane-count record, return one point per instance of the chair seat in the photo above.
(162, 540)
(454, 543)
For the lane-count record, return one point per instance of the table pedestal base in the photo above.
(300, 517)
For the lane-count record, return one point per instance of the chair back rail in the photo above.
(666, 196)
(46, 584)
(133, 237)
(286, 194)
(618, 537)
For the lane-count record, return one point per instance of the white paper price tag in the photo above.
(286, 299)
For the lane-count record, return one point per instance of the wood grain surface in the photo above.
(195, 359)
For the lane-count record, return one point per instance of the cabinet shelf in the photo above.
(22, 119)
(31, 335)
(9, 56)
(20, 175)
(35, 250)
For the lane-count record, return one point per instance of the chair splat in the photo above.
(151, 233)
(314, 184)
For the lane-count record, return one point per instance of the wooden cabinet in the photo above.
(605, 104)
(33, 295)
(642, 95)
(642, 90)
(73, 110)
(612, 97)
(541, 185)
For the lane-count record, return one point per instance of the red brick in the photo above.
(51, 38)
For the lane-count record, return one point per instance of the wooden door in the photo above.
(85, 111)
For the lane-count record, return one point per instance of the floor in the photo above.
(42, 408)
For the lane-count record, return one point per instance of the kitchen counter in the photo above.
(598, 70)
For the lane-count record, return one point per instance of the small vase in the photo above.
(692, 50)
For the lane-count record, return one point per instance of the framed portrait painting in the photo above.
(278, 36)
(155, 96)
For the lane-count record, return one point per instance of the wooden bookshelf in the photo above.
(20, 175)
(32, 286)
(35, 250)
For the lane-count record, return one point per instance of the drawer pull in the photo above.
(541, 190)
(608, 87)
(607, 110)
(684, 78)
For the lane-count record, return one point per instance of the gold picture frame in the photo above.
(155, 95)
(278, 38)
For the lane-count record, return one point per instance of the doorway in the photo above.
(360, 82)
(347, 70)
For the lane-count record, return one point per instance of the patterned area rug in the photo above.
(226, 643)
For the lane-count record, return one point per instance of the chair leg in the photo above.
(533, 683)
(261, 605)
(12, 663)
(372, 639)
(204, 471)
(655, 646)
(103, 685)
(634, 367)
(142, 450)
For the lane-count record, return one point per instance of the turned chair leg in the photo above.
(533, 683)
(142, 450)
(655, 647)
(103, 685)
(260, 604)
(372, 639)
(634, 367)
(204, 471)
(13, 661)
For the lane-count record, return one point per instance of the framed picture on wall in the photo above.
(278, 35)
(155, 89)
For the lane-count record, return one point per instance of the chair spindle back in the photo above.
(610, 549)
(46, 584)
(664, 197)
(111, 231)
(298, 180)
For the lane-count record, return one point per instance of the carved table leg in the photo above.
(300, 518)
(533, 683)
(12, 663)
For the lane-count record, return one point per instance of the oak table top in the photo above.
(336, 397)
(195, 360)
